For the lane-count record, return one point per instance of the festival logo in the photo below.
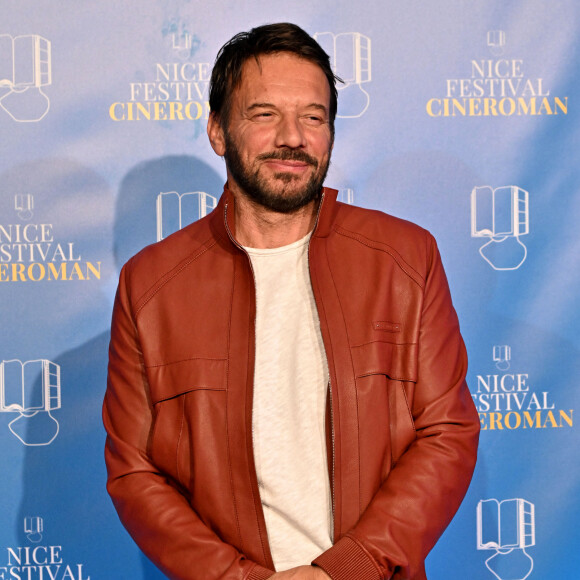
(509, 400)
(507, 528)
(501, 216)
(350, 58)
(502, 354)
(495, 87)
(23, 205)
(496, 40)
(180, 38)
(32, 391)
(37, 560)
(31, 252)
(33, 528)
(177, 87)
(177, 210)
(25, 68)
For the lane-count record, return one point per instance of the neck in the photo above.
(259, 227)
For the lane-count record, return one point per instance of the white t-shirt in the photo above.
(290, 389)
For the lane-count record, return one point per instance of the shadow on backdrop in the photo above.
(64, 482)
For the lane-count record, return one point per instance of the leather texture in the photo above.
(178, 407)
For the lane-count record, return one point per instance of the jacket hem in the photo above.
(347, 560)
(259, 573)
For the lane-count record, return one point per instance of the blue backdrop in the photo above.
(460, 116)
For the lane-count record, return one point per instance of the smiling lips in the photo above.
(287, 165)
(289, 161)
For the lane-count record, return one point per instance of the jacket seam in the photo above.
(409, 408)
(230, 469)
(175, 362)
(187, 391)
(360, 499)
(177, 470)
(382, 247)
(169, 275)
(382, 372)
(385, 341)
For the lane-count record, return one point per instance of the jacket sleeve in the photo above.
(155, 513)
(425, 487)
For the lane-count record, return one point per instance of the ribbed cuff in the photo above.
(347, 560)
(259, 573)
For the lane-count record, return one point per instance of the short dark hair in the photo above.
(267, 39)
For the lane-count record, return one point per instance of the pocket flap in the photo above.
(397, 361)
(176, 378)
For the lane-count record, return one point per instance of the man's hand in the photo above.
(302, 573)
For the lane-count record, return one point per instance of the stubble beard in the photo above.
(283, 199)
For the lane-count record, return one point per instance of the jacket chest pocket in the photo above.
(189, 401)
(386, 374)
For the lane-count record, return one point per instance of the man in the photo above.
(286, 392)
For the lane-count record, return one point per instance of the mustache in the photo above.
(289, 155)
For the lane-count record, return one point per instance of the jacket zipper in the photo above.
(332, 495)
(238, 245)
(332, 482)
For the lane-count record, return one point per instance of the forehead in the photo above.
(283, 76)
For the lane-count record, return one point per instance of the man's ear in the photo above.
(216, 134)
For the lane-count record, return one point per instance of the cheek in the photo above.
(321, 144)
(254, 144)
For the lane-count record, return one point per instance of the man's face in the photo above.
(277, 142)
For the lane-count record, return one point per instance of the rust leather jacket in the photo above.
(403, 429)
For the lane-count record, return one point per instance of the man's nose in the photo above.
(290, 133)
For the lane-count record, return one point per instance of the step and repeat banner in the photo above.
(460, 116)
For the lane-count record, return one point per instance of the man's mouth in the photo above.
(287, 166)
(290, 160)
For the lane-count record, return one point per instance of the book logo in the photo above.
(507, 527)
(182, 41)
(177, 210)
(501, 216)
(32, 390)
(33, 528)
(23, 205)
(496, 41)
(350, 58)
(25, 68)
(502, 354)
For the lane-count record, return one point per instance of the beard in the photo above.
(281, 194)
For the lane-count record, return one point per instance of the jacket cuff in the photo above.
(259, 573)
(346, 560)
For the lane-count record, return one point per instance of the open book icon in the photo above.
(350, 58)
(31, 389)
(505, 524)
(502, 216)
(24, 204)
(25, 67)
(175, 210)
(502, 354)
(507, 527)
